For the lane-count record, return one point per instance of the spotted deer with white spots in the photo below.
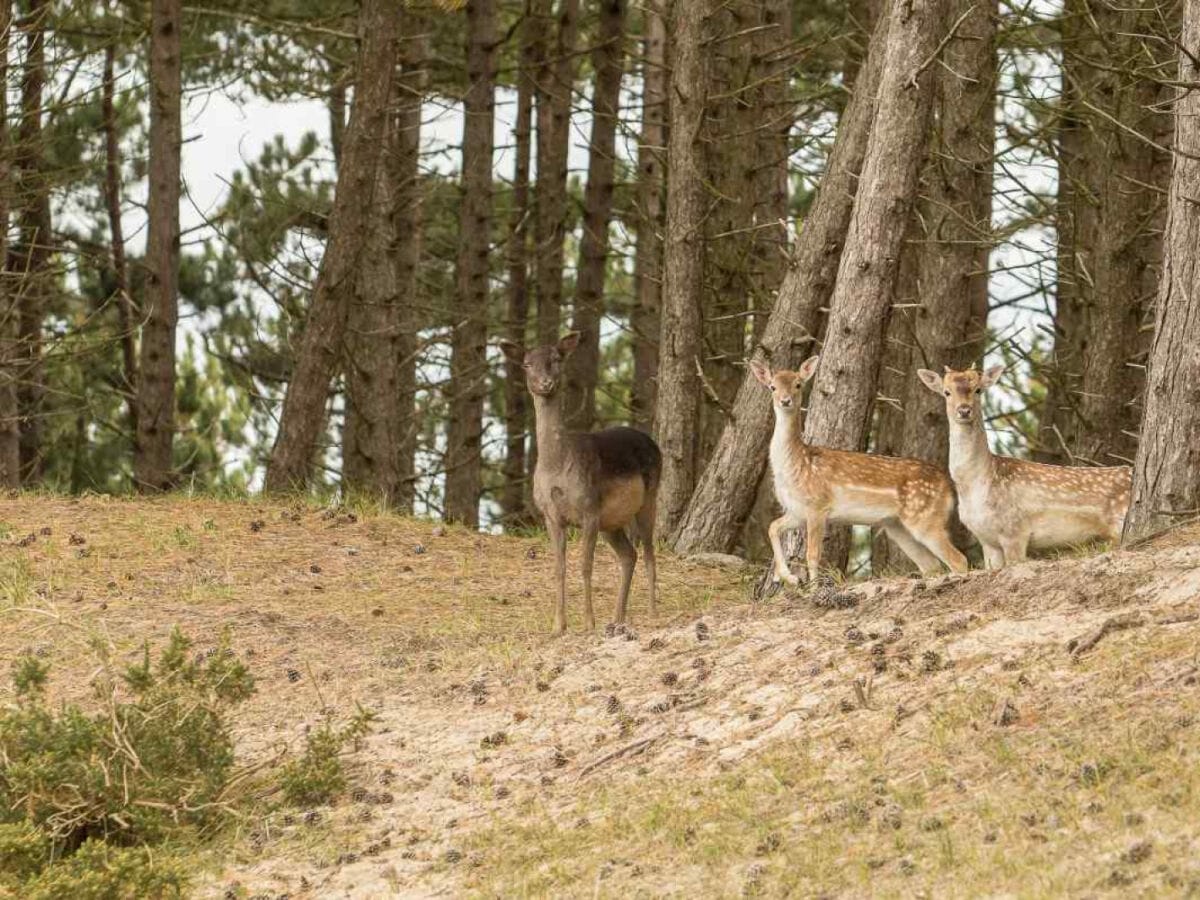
(909, 499)
(1012, 504)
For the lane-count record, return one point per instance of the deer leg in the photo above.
(993, 556)
(590, 529)
(1015, 548)
(645, 527)
(912, 547)
(816, 536)
(936, 538)
(558, 537)
(785, 522)
(627, 556)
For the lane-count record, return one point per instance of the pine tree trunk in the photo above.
(374, 417)
(677, 412)
(1111, 233)
(112, 202)
(608, 63)
(408, 225)
(30, 259)
(940, 316)
(468, 361)
(516, 407)
(320, 346)
(746, 152)
(726, 492)
(380, 339)
(153, 467)
(1166, 478)
(555, 86)
(10, 416)
(647, 264)
(843, 396)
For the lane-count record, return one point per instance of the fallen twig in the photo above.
(1085, 642)
(637, 747)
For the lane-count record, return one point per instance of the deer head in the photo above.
(963, 390)
(785, 385)
(543, 365)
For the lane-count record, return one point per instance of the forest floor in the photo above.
(1032, 732)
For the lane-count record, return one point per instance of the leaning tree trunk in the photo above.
(468, 346)
(112, 202)
(555, 86)
(647, 262)
(608, 59)
(380, 340)
(152, 463)
(10, 416)
(1166, 477)
(30, 259)
(320, 349)
(941, 320)
(677, 413)
(1111, 232)
(726, 492)
(516, 406)
(843, 396)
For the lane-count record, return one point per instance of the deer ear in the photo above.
(761, 372)
(514, 351)
(568, 342)
(931, 380)
(991, 376)
(808, 367)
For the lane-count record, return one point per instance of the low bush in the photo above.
(81, 791)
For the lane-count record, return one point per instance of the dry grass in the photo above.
(733, 760)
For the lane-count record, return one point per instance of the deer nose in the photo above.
(965, 412)
(785, 401)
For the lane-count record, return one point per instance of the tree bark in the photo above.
(152, 463)
(320, 347)
(746, 147)
(380, 339)
(940, 318)
(555, 86)
(843, 397)
(468, 362)
(725, 493)
(408, 225)
(647, 263)
(677, 412)
(1166, 478)
(10, 414)
(608, 63)
(516, 408)
(30, 260)
(1112, 231)
(126, 316)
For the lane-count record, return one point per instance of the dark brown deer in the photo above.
(601, 482)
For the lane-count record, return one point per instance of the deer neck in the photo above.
(552, 444)
(788, 438)
(970, 456)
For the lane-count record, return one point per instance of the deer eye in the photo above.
(771, 386)
(947, 393)
(979, 390)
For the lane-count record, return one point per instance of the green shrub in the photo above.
(318, 776)
(98, 872)
(135, 769)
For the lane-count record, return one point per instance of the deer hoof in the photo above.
(786, 578)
